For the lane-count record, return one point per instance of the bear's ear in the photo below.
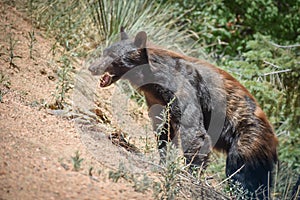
(140, 40)
(124, 35)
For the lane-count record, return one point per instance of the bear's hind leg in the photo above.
(255, 177)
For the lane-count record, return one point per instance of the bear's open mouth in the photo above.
(106, 79)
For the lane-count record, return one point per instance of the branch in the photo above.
(229, 177)
(277, 72)
(273, 65)
(277, 67)
(285, 47)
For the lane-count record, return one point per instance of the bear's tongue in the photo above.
(105, 80)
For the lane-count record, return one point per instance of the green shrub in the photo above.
(225, 27)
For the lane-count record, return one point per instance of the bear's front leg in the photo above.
(196, 146)
(194, 140)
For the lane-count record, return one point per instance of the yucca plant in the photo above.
(81, 25)
(157, 21)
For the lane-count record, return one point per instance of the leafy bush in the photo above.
(225, 27)
(271, 73)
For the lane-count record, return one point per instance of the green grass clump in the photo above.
(77, 161)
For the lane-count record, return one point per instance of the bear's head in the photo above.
(120, 57)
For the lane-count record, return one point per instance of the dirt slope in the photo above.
(35, 146)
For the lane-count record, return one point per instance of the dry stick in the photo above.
(206, 181)
(287, 189)
(191, 162)
(297, 193)
(275, 178)
(168, 121)
(277, 72)
(237, 171)
(276, 66)
(185, 196)
(286, 47)
(269, 185)
(273, 65)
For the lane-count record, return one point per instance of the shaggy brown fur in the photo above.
(209, 108)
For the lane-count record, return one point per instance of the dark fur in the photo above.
(296, 190)
(199, 89)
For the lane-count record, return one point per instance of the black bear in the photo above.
(209, 108)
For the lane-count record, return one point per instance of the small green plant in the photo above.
(236, 191)
(32, 41)
(63, 84)
(11, 52)
(122, 172)
(76, 160)
(164, 127)
(172, 168)
(140, 183)
(143, 184)
(147, 141)
(168, 188)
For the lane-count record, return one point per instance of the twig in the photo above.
(285, 47)
(206, 181)
(273, 65)
(237, 171)
(277, 72)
